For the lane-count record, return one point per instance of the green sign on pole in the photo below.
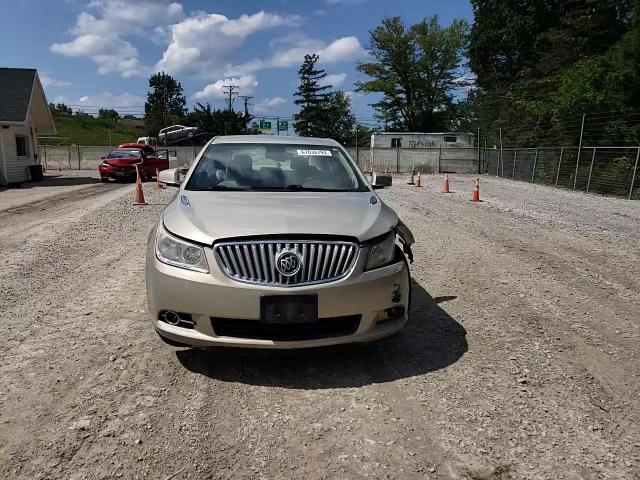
(283, 125)
(265, 124)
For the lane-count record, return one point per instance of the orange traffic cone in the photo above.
(476, 191)
(418, 180)
(139, 198)
(445, 189)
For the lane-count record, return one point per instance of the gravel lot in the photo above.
(521, 359)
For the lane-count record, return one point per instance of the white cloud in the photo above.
(268, 104)
(342, 49)
(105, 100)
(100, 35)
(206, 41)
(214, 91)
(334, 80)
(48, 81)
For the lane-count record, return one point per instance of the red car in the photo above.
(120, 163)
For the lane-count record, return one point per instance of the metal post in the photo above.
(46, 160)
(593, 157)
(69, 157)
(484, 156)
(575, 178)
(501, 162)
(633, 179)
(535, 162)
(479, 166)
(397, 157)
(109, 138)
(278, 125)
(559, 163)
(79, 164)
(515, 157)
(440, 159)
(355, 133)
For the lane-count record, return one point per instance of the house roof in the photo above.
(16, 85)
(20, 89)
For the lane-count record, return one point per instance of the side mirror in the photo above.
(170, 177)
(380, 180)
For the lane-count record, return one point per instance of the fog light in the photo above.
(388, 314)
(177, 319)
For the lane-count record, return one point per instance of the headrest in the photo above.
(242, 162)
(299, 163)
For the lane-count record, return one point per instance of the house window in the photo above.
(396, 143)
(450, 139)
(22, 149)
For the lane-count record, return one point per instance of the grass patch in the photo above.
(92, 131)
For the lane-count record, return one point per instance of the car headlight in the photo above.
(176, 252)
(382, 252)
(105, 164)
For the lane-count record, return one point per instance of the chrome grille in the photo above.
(255, 261)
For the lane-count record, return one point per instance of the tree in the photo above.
(165, 105)
(60, 109)
(337, 121)
(218, 122)
(108, 114)
(311, 98)
(417, 70)
(541, 64)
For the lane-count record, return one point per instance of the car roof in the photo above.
(275, 139)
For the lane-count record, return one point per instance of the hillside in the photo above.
(92, 131)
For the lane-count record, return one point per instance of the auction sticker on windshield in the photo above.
(314, 153)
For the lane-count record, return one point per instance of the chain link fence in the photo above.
(605, 170)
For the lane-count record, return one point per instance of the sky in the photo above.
(100, 53)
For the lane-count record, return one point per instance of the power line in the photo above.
(246, 99)
(231, 91)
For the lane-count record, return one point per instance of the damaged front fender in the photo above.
(406, 238)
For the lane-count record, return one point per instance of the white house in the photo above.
(24, 114)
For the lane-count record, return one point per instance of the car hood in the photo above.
(206, 217)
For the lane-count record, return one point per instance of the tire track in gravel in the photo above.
(492, 257)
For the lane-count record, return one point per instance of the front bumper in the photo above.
(117, 173)
(206, 296)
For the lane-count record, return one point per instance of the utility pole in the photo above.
(246, 99)
(230, 90)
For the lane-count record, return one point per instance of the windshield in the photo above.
(274, 167)
(124, 154)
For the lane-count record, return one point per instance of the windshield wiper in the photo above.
(295, 188)
(218, 188)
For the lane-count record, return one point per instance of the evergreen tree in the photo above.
(165, 105)
(337, 121)
(312, 98)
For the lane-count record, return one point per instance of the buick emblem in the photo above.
(288, 263)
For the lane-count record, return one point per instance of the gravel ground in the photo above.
(521, 359)
(53, 184)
